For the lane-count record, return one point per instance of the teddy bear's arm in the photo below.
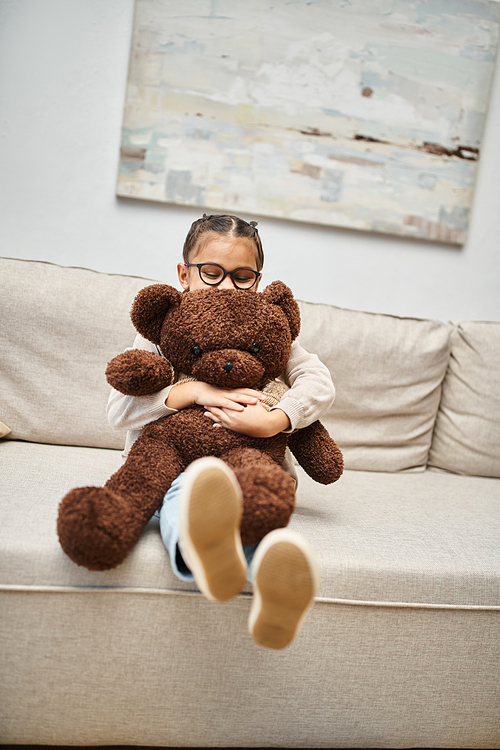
(137, 372)
(317, 453)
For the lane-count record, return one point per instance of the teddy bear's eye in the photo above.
(196, 351)
(254, 348)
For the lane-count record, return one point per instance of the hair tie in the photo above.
(254, 224)
(205, 217)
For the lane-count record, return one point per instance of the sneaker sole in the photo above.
(286, 580)
(210, 517)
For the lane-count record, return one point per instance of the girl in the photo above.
(201, 512)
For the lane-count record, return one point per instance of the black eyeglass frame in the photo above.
(199, 266)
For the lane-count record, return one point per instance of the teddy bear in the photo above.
(228, 338)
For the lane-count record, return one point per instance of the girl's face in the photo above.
(229, 252)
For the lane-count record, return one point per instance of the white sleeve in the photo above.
(311, 392)
(133, 412)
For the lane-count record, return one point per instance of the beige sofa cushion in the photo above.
(59, 329)
(377, 537)
(467, 435)
(388, 373)
(387, 370)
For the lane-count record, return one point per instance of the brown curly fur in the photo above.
(199, 333)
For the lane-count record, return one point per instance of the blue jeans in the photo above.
(169, 529)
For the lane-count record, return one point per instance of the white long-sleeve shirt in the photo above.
(310, 396)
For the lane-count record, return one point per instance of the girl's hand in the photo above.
(195, 392)
(252, 420)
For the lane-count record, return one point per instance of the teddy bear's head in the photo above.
(226, 337)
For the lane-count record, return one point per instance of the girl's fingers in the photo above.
(235, 403)
(211, 412)
(248, 395)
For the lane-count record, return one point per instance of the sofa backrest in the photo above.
(388, 372)
(467, 434)
(59, 327)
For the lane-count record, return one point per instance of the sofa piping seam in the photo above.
(14, 588)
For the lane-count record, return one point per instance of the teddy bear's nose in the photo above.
(228, 366)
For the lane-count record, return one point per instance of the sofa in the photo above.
(402, 645)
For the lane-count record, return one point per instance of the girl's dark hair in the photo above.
(223, 224)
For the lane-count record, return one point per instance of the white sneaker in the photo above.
(211, 507)
(286, 580)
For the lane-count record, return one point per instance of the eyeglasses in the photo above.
(213, 274)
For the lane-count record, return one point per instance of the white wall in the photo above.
(63, 66)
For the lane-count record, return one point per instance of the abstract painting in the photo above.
(363, 114)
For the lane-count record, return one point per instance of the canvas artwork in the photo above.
(365, 114)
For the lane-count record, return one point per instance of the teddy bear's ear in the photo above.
(150, 308)
(279, 294)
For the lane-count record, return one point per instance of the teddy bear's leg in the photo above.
(268, 493)
(99, 526)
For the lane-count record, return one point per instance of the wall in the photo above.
(63, 66)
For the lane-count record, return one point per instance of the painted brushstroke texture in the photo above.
(364, 114)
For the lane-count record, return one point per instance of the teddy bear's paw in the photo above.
(139, 373)
(96, 528)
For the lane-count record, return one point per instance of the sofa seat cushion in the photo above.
(388, 373)
(427, 538)
(34, 478)
(467, 434)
